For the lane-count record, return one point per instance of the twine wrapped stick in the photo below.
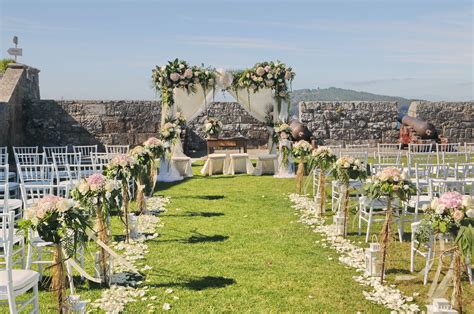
(322, 192)
(346, 208)
(58, 278)
(385, 237)
(104, 237)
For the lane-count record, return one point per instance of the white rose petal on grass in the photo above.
(166, 306)
(175, 297)
(169, 291)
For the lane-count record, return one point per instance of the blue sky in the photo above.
(105, 49)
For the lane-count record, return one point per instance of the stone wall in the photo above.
(77, 122)
(51, 122)
(346, 122)
(453, 119)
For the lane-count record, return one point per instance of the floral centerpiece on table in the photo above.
(100, 195)
(301, 152)
(345, 169)
(121, 168)
(212, 127)
(452, 214)
(179, 74)
(144, 160)
(274, 75)
(61, 222)
(323, 159)
(389, 183)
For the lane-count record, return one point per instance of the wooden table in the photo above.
(229, 142)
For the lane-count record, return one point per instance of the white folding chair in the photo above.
(50, 150)
(36, 174)
(25, 150)
(370, 209)
(6, 188)
(117, 149)
(4, 161)
(63, 178)
(86, 152)
(15, 282)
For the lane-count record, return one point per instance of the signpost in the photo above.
(15, 51)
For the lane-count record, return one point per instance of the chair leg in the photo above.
(11, 301)
(40, 265)
(29, 256)
(35, 300)
(360, 222)
(369, 223)
(412, 257)
(469, 270)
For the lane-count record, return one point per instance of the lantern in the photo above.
(372, 253)
(339, 221)
(133, 225)
(76, 305)
(440, 306)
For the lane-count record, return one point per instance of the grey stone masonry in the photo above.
(346, 122)
(453, 119)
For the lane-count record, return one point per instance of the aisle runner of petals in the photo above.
(125, 279)
(353, 256)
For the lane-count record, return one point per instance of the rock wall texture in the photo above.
(346, 122)
(453, 119)
(76, 122)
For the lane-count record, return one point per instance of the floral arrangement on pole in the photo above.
(178, 74)
(180, 120)
(283, 133)
(59, 221)
(452, 214)
(143, 160)
(301, 152)
(170, 133)
(345, 169)
(389, 183)
(121, 168)
(157, 148)
(323, 159)
(274, 75)
(212, 127)
(99, 194)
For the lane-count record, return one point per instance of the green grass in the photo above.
(233, 244)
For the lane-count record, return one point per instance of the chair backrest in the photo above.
(101, 160)
(388, 157)
(5, 195)
(7, 226)
(86, 152)
(35, 174)
(357, 147)
(61, 161)
(30, 158)
(25, 150)
(418, 158)
(117, 149)
(451, 157)
(465, 170)
(336, 150)
(449, 147)
(3, 158)
(363, 156)
(375, 168)
(446, 185)
(80, 171)
(50, 150)
(31, 193)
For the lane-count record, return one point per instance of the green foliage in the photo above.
(4, 63)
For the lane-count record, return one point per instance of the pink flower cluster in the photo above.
(152, 141)
(451, 200)
(49, 203)
(123, 160)
(96, 181)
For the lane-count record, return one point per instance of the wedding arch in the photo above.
(263, 90)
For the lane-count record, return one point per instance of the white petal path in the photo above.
(353, 256)
(125, 280)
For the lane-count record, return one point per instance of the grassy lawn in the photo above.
(232, 244)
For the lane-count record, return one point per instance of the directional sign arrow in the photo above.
(15, 51)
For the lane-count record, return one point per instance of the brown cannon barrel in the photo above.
(299, 131)
(423, 129)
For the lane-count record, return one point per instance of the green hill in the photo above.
(340, 94)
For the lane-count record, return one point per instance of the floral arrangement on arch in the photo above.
(274, 75)
(170, 131)
(179, 74)
(212, 127)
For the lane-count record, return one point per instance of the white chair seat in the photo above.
(11, 186)
(12, 204)
(22, 278)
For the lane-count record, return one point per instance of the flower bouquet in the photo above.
(323, 159)
(99, 194)
(180, 120)
(144, 160)
(121, 168)
(452, 214)
(212, 127)
(345, 169)
(157, 149)
(389, 183)
(301, 152)
(59, 221)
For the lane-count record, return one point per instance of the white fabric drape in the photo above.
(260, 103)
(192, 104)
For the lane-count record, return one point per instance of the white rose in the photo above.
(440, 209)
(467, 201)
(406, 187)
(434, 203)
(83, 187)
(470, 213)
(64, 205)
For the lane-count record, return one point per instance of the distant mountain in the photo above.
(340, 94)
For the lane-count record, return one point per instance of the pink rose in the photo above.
(174, 77)
(96, 181)
(188, 73)
(267, 68)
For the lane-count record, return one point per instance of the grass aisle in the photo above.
(233, 244)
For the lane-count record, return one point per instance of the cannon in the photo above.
(299, 131)
(413, 130)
